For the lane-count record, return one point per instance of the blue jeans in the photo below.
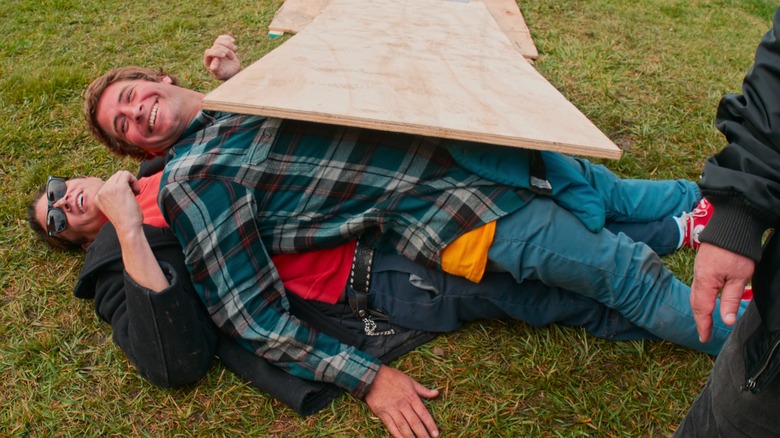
(544, 242)
(635, 209)
(662, 236)
(419, 298)
(641, 209)
(637, 200)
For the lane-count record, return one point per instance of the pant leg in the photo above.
(543, 241)
(662, 236)
(425, 299)
(722, 409)
(636, 200)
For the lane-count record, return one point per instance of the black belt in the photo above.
(357, 291)
(360, 279)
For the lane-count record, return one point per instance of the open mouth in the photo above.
(80, 202)
(153, 115)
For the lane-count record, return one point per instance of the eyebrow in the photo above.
(119, 100)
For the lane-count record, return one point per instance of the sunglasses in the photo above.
(56, 220)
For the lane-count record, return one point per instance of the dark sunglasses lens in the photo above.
(56, 221)
(55, 189)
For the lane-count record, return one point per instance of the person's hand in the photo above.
(715, 269)
(220, 59)
(116, 199)
(395, 398)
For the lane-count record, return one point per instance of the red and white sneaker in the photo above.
(693, 223)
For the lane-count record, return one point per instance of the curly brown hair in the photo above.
(95, 91)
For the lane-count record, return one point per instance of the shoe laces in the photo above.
(699, 211)
(692, 230)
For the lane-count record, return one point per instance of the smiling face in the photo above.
(84, 218)
(150, 115)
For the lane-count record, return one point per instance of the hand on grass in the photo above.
(718, 269)
(395, 398)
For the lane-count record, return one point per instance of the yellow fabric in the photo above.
(467, 255)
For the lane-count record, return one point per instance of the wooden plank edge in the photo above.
(408, 128)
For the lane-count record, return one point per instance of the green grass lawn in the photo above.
(649, 73)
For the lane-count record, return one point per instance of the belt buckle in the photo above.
(359, 283)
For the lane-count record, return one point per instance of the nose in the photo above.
(137, 113)
(63, 202)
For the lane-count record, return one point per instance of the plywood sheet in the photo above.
(429, 67)
(294, 15)
(509, 18)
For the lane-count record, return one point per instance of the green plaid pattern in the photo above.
(237, 188)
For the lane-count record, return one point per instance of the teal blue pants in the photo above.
(545, 242)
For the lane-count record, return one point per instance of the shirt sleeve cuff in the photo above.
(359, 381)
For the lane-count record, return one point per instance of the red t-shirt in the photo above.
(315, 275)
(147, 199)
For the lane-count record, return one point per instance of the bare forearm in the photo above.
(140, 262)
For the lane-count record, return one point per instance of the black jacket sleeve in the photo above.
(743, 180)
(167, 335)
(743, 184)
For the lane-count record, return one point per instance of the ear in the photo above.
(85, 245)
(166, 79)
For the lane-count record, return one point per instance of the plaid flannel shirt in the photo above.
(237, 188)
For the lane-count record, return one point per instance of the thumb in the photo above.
(730, 299)
(424, 392)
(214, 64)
(135, 186)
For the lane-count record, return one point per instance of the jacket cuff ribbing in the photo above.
(734, 228)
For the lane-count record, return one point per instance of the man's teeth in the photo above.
(80, 202)
(153, 115)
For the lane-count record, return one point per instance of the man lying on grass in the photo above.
(162, 326)
(239, 189)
